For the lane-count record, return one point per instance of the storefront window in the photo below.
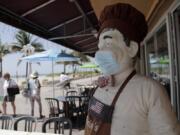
(175, 35)
(158, 58)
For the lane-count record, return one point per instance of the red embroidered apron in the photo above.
(100, 115)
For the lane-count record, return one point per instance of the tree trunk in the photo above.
(0, 67)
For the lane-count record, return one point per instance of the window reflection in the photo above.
(158, 58)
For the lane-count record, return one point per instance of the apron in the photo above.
(100, 115)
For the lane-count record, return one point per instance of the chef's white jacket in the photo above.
(143, 107)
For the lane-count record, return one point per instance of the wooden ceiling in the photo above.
(152, 9)
(145, 6)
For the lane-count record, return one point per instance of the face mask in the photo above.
(107, 62)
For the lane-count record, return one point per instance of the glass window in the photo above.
(162, 54)
(158, 57)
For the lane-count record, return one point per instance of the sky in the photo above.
(7, 36)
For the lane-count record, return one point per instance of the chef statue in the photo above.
(126, 103)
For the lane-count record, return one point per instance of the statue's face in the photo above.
(113, 41)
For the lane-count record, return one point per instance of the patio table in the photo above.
(63, 98)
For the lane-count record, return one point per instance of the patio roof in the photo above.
(71, 23)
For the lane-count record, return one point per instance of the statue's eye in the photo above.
(106, 36)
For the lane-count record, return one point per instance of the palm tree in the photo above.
(3, 51)
(23, 39)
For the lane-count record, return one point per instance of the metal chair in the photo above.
(54, 108)
(71, 93)
(29, 123)
(6, 122)
(59, 125)
(84, 105)
(73, 105)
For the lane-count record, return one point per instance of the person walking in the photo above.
(64, 80)
(35, 87)
(8, 83)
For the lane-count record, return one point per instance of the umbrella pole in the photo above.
(91, 76)
(27, 69)
(53, 78)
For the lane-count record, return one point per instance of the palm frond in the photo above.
(38, 46)
(23, 38)
(3, 50)
(15, 48)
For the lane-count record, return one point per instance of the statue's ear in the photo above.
(133, 49)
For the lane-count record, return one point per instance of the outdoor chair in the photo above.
(6, 122)
(54, 108)
(60, 124)
(71, 93)
(73, 105)
(28, 122)
(84, 105)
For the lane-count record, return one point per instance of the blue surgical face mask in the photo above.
(107, 62)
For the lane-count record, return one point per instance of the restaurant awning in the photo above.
(71, 23)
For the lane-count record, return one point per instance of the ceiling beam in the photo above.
(81, 41)
(80, 32)
(69, 21)
(20, 19)
(95, 48)
(94, 31)
(82, 12)
(70, 36)
(37, 8)
(89, 45)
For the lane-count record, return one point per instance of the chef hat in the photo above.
(127, 19)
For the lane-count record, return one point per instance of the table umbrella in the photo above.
(90, 66)
(50, 55)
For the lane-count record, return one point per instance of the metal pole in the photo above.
(71, 36)
(53, 78)
(27, 69)
(1, 67)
